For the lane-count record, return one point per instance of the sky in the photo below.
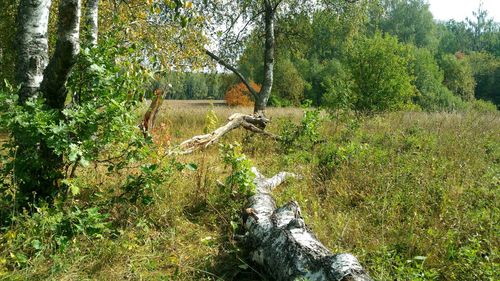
(460, 9)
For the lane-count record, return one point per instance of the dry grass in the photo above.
(423, 185)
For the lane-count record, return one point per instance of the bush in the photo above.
(379, 67)
(458, 76)
(303, 136)
(432, 94)
(482, 106)
(486, 69)
(338, 88)
(288, 84)
(239, 95)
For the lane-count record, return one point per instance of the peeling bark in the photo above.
(252, 123)
(285, 247)
(91, 21)
(67, 48)
(32, 43)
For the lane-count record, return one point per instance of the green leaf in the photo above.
(73, 153)
(419, 258)
(234, 225)
(75, 190)
(36, 244)
(192, 166)
(243, 266)
(84, 162)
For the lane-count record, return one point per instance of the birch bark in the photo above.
(32, 43)
(67, 48)
(91, 21)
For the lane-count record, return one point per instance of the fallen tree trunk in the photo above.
(284, 246)
(252, 123)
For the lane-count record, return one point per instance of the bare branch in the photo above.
(248, 122)
(235, 71)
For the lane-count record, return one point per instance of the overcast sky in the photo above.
(460, 9)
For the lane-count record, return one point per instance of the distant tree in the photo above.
(454, 37)
(458, 75)
(483, 30)
(411, 21)
(289, 85)
(380, 69)
(338, 87)
(486, 69)
(432, 94)
(195, 86)
(238, 95)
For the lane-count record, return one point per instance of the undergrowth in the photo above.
(413, 195)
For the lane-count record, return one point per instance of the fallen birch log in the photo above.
(284, 246)
(251, 123)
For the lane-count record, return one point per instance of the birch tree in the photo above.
(39, 76)
(241, 18)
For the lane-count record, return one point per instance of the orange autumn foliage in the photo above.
(239, 95)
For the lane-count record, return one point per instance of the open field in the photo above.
(415, 196)
(191, 103)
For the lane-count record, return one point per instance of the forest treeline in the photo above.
(384, 55)
(378, 55)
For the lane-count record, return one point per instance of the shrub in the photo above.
(486, 69)
(239, 95)
(303, 136)
(338, 87)
(288, 84)
(482, 106)
(432, 93)
(458, 76)
(385, 82)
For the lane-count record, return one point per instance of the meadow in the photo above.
(414, 195)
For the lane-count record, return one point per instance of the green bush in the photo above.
(486, 68)
(458, 75)
(338, 87)
(302, 136)
(482, 106)
(47, 231)
(380, 69)
(432, 93)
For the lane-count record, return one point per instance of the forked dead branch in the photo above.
(253, 123)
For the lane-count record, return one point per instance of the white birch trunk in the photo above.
(91, 21)
(32, 45)
(265, 92)
(285, 247)
(67, 48)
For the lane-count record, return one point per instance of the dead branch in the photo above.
(251, 123)
(150, 116)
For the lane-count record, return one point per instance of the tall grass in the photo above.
(414, 195)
